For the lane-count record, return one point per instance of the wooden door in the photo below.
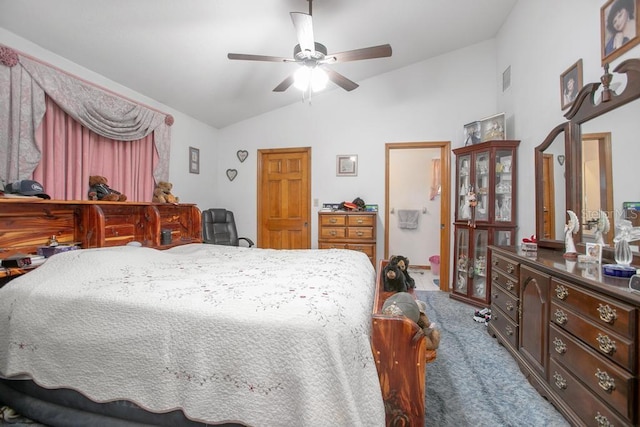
(284, 205)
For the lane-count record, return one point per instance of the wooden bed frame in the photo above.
(26, 223)
(401, 361)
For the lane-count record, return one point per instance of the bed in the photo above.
(203, 334)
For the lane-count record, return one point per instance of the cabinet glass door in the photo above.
(503, 238)
(480, 246)
(482, 186)
(464, 186)
(462, 261)
(503, 183)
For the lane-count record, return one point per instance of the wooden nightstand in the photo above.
(348, 230)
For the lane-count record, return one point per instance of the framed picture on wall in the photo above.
(570, 84)
(194, 160)
(347, 165)
(619, 28)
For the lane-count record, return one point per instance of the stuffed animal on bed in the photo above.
(403, 263)
(394, 279)
(162, 193)
(404, 304)
(100, 190)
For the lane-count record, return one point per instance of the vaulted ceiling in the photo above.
(176, 51)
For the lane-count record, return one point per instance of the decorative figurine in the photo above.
(602, 227)
(625, 233)
(570, 229)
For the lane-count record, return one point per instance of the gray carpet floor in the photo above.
(474, 381)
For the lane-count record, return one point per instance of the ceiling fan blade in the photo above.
(304, 31)
(382, 51)
(284, 85)
(246, 57)
(341, 80)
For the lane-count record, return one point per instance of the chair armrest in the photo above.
(246, 239)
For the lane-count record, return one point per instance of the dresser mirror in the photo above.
(602, 152)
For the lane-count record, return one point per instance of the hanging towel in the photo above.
(408, 218)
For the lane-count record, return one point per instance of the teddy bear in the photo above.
(100, 190)
(394, 279)
(162, 193)
(403, 263)
(404, 304)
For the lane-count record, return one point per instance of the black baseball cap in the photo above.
(26, 188)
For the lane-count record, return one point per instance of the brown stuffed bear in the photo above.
(99, 190)
(162, 193)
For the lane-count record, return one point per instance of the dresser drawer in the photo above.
(367, 249)
(333, 232)
(361, 220)
(333, 220)
(506, 265)
(510, 284)
(614, 385)
(602, 340)
(332, 245)
(615, 315)
(505, 301)
(365, 233)
(593, 411)
(504, 326)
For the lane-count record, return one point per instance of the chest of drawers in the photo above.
(576, 338)
(348, 230)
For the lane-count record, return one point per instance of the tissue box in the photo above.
(47, 251)
(529, 247)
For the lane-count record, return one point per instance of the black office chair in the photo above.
(219, 228)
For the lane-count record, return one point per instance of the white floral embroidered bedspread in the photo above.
(258, 336)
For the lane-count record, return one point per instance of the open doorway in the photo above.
(418, 203)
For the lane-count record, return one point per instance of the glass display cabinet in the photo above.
(484, 214)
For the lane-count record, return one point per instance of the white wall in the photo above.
(185, 132)
(429, 101)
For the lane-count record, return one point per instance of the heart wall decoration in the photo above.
(242, 155)
(231, 174)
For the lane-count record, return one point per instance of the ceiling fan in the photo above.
(313, 58)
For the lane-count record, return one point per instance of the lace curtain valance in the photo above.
(23, 84)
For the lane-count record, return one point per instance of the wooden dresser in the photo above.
(574, 332)
(348, 230)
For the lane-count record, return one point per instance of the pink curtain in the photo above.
(434, 190)
(71, 153)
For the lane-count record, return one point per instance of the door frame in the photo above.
(445, 201)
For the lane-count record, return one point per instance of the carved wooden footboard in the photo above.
(401, 358)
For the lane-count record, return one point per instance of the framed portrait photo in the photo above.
(194, 160)
(347, 165)
(594, 250)
(619, 28)
(570, 84)
(472, 133)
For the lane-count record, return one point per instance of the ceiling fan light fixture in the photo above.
(314, 78)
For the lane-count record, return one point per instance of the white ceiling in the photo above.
(175, 51)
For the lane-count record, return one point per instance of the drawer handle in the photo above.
(333, 232)
(333, 220)
(562, 292)
(605, 382)
(560, 382)
(509, 305)
(607, 314)
(602, 421)
(508, 330)
(606, 344)
(360, 233)
(510, 268)
(359, 221)
(495, 262)
(510, 285)
(494, 277)
(560, 346)
(561, 317)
